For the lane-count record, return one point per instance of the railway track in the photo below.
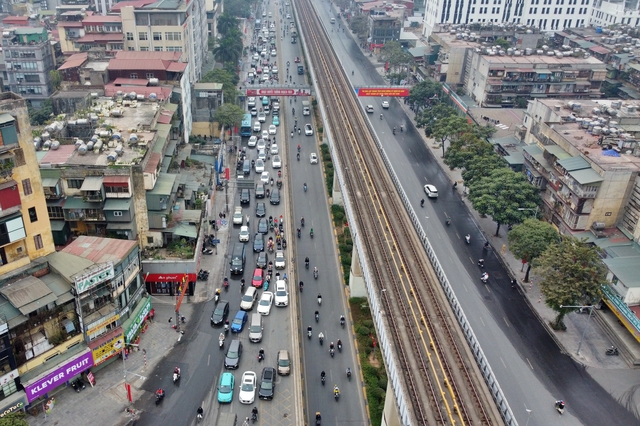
(438, 370)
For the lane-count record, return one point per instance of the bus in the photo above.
(258, 25)
(245, 127)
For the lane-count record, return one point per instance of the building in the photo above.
(383, 28)
(29, 60)
(25, 231)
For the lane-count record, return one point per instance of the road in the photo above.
(526, 360)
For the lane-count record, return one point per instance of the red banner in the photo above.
(278, 92)
(383, 91)
(226, 173)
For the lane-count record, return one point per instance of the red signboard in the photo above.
(226, 173)
(278, 92)
(383, 91)
(169, 278)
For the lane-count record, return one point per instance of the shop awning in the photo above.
(68, 325)
(168, 278)
(116, 180)
(50, 182)
(92, 183)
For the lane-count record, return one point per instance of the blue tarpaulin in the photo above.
(611, 153)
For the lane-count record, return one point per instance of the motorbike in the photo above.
(207, 250)
(254, 417)
(226, 327)
(217, 295)
(176, 376)
(221, 342)
(305, 187)
(484, 278)
(311, 233)
(332, 352)
(336, 393)
(317, 317)
(299, 232)
(349, 373)
(302, 223)
(159, 397)
(394, 130)
(309, 332)
(481, 263)
(559, 406)
(322, 378)
(321, 338)
(342, 321)
(315, 274)
(306, 264)
(298, 156)
(319, 300)
(318, 418)
(467, 238)
(225, 283)
(340, 347)
(613, 351)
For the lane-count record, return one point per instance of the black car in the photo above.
(232, 358)
(275, 196)
(260, 190)
(258, 242)
(261, 210)
(245, 197)
(220, 313)
(267, 383)
(263, 260)
(263, 226)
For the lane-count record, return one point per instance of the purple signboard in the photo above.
(59, 376)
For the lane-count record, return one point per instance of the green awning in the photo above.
(574, 163)
(185, 230)
(117, 204)
(77, 203)
(57, 225)
(50, 182)
(586, 176)
(557, 151)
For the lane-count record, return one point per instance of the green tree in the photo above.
(425, 93)
(56, 79)
(530, 239)
(572, 275)
(226, 23)
(501, 194)
(228, 79)
(428, 118)
(40, 116)
(504, 44)
(229, 115)
(465, 149)
(482, 166)
(239, 8)
(397, 58)
(228, 49)
(360, 26)
(521, 102)
(17, 418)
(449, 128)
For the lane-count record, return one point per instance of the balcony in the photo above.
(76, 208)
(7, 164)
(92, 196)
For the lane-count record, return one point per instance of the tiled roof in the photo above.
(74, 61)
(89, 38)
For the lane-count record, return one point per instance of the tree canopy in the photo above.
(228, 79)
(428, 118)
(425, 93)
(17, 418)
(450, 128)
(229, 115)
(572, 275)
(394, 54)
(226, 23)
(359, 25)
(239, 8)
(530, 239)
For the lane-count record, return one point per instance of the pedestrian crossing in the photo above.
(502, 126)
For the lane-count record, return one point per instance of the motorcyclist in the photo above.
(298, 156)
(342, 320)
(160, 393)
(336, 390)
(254, 412)
(352, 72)
(221, 337)
(394, 130)
(311, 232)
(298, 147)
(321, 337)
(200, 412)
(302, 221)
(299, 232)
(304, 185)
(319, 299)
(226, 325)
(301, 285)
(380, 116)
(317, 316)
(422, 203)
(242, 284)
(485, 276)
(331, 345)
(309, 329)
(315, 271)
(339, 343)
(176, 370)
(560, 404)
(322, 374)
(306, 261)
(348, 372)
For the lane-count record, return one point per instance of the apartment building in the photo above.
(29, 59)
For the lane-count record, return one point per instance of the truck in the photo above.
(305, 108)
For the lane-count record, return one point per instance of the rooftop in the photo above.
(542, 61)
(100, 250)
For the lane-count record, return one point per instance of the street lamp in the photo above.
(533, 210)
(590, 307)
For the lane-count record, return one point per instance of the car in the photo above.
(262, 260)
(245, 197)
(265, 134)
(264, 177)
(258, 278)
(220, 313)
(263, 226)
(264, 305)
(225, 388)
(259, 167)
(247, 388)
(282, 295)
(267, 383)
(369, 109)
(237, 216)
(274, 70)
(275, 120)
(274, 198)
(313, 158)
(261, 144)
(284, 363)
(276, 162)
(385, 104)
(262, 155)
(308, 130)
(280, 261)
(254, 111)
(238, 321)
(288, 14)
(272, 129)
(274, 149)
(258, 242)
(259, 191)
(262, 117)
(263, 53)
(253, 140)
(261, 209)
(256, 57)
(244, 234)
(431, 191)
(257, 126)
(274, 52)
(276, 112)
(232, 357)
(251, 100)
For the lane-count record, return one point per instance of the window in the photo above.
(157, 36)
(157, 48)
(37, 240)
(144, 49)
(149, 75)
(143, 36)
(173, 36)
(130, 36)
(149, 240)
(117, 213)
(33, 215)
(75, 183)
(26, 187)
(133, 75)
(55, 212)
(174, 49)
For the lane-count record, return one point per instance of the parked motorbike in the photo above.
(613, 351)
(207, 250)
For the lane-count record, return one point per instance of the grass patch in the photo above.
(328, 167)
(373, 371)
(345, 242)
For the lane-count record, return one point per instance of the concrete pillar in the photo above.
(357, 287)
(336, 196)
(390, 415)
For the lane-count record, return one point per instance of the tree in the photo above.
(396, 57)
(572, 275)
(360, 25)
(482, 166)
(465, 149)
(229, 115)
(449, 128)
(501, 194)
(228, 49)
(425, 93)
(56, 79)
(239, 8)
(530, 239)
(17, 418)
(40, 116)
(228, 79)
(428, 118)
(504, 44)
(226, 23)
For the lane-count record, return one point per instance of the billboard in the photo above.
(278, 92)
(59, 376)
(383, 91)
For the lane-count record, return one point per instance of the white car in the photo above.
(308, 130)
(282, 295)
(280, 261)
(256, 56)
(431, 191)
(262, 117)
(259, 166)
(264, 305)
(274, 70)
(273, 52)
(244, 234)
(274, 149)
(254, 111)
(276, 163)
(265, 134)
(262, 155)
(385, 104)
(248, 388)
(313, 158)
(369, 109)
(264, 177)
(257, 126)
(253, 140)
(266, 109)
(251, 101)
(272, 129)
(237, 216)
(261, 144)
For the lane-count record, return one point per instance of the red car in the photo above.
(297, 60)
(258, 277)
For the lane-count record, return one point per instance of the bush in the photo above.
(363, 331)
(369, 324)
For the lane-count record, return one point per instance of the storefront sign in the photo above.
(59, 376)
(169, 278)
(108, 349)
(96, 276)
(137, 321)
(15, 407)
(9, 377)
(102, 323)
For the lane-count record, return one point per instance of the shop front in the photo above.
(169, 284)
(137, 323)
(58, 376)
(107, 347)
(15, 402)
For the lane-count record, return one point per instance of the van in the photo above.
(300, 70)
(333, 20)
(255, 328)
(305, 108)
(238, 257)
(246, 167)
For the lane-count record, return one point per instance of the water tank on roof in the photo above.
(90, 145)
(133, 137)
(55, 145)
(98, 145)
(140, 97)
(94, 138)
(46, 144)
(585, 123)
(116, 135)
(104, 133)
(153, 81)
(79, 142)
(45, 136)
(82, 121)
(132, 95)
(82, 149)
(597, 130)
(613, 124)
(153, 96)
(112, 157)
(119, 150)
